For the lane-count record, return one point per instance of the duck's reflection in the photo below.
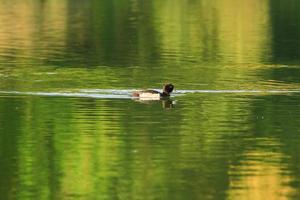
(165, 103)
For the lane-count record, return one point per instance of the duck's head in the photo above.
(168, 88)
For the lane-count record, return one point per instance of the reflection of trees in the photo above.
(83, 147)
(169, 40)
(93, 33)
(68, 147)
(281, 123)
(87, 147)
(9, 109)
(32, 32)
(113, 33)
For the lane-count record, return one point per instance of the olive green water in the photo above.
(70, 130)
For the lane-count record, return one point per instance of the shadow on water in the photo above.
(285, 22)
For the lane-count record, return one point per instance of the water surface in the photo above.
(69, 128)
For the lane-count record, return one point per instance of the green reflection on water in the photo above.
(60, 148)
(209, 146)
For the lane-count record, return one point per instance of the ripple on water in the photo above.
(126, 93)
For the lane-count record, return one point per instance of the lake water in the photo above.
(69, 128)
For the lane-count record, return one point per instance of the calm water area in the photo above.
(69, 128)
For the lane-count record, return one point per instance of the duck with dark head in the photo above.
(153, 94)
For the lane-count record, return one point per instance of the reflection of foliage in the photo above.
(84, 147)
(139, 44)
(124, 33)
(141, 32)
(68, 147)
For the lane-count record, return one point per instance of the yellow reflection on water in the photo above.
(244, 30)
(30, 29)
(260, 176)
(228, 30)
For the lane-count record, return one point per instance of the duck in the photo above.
(153, 94)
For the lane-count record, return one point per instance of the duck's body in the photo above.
(153, 94)
(148, 94)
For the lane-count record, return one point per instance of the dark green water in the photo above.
(70, 130)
